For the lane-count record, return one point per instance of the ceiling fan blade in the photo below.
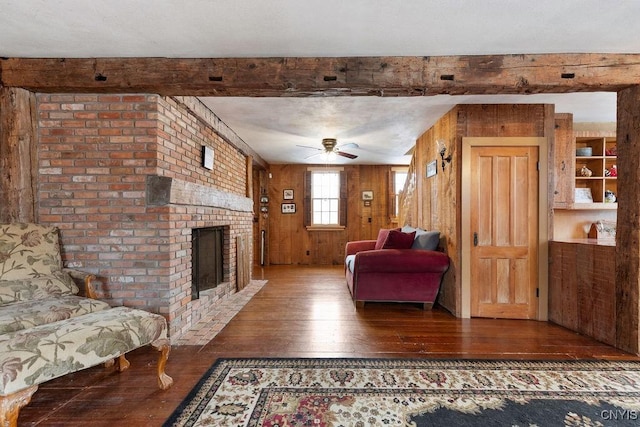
(308, 146)
(347, 155)
(348, 145)
(313, 155)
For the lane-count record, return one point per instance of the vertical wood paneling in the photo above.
(243, 260)
(581, 290)
(261, 219)
(555, 283)
(504, 120)
(569, 288)
(291, 243)
(433, 203)
(563, 171)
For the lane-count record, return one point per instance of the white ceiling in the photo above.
(384, 128)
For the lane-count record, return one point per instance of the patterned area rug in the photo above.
(407, 392)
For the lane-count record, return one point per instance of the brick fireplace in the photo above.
(121, 176)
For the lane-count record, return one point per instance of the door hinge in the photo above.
(538, 166)
(537, 292)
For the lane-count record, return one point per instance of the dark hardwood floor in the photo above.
(300, 312)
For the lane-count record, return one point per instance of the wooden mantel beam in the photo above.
(351, 76)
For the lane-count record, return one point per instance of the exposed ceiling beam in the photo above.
(351, 76)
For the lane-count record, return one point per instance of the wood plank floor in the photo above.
(300, 312)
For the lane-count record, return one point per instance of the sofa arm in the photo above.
(86, 279)
(356, 246)
(401, 261)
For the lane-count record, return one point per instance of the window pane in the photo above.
(325, 193)
(401, 177)
(398, 186)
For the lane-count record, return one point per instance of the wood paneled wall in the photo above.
(582, 286)
(289, 241)
(434, 203)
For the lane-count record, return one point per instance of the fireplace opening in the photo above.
(207, 259)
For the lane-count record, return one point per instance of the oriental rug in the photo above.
(412, 392)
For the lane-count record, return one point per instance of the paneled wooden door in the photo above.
(504, 227)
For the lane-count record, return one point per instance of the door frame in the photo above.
(543, 216)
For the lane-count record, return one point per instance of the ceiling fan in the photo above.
(331, 148)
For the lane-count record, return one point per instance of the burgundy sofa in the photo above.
(399, 275)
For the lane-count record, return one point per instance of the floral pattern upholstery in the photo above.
(30, 264)
(46, 330)
(33, 356)
(27, 314)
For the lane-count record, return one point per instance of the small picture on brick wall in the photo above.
(207, 157)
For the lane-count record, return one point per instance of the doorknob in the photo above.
(475, 239)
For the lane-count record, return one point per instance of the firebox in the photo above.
(207, 259)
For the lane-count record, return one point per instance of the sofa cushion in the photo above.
(55, 285)
(350, 260)
(428, 240)
(35, 355)
(28, 251)
(27, 314)
(382, 236)
(399, 240)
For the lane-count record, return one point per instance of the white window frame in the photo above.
(335, 209)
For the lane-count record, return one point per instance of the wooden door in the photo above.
(504, 227)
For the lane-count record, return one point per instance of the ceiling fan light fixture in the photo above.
(329, 144)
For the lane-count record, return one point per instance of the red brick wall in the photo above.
(95, 153)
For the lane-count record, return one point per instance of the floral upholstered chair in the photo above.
(47, 330)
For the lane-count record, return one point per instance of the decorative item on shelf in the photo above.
(602, 229)
(613, 151)
(609, 196)
(584, 151)
(583, 195)
(442, 150)
(585, 171)
(612, 171)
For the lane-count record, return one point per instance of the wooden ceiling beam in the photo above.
(351, 76)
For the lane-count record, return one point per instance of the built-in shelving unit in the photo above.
(601, 164)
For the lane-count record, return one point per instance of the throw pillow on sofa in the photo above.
(382, 236)
(30, 263)
(399, 240)
(428, 240)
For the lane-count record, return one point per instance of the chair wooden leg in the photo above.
(10, 406)
(122, 363)
(359, 304)
(163, 346)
